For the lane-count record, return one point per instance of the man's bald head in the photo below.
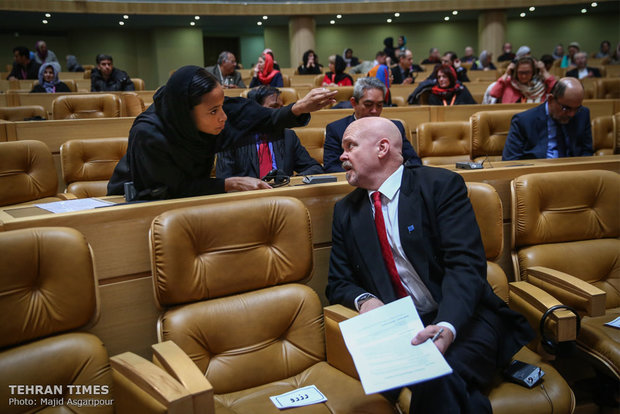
(565, 99)
(372, 151)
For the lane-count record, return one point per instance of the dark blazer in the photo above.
(574, 73)
(441, 238)
(528, 138)
(332, 149)
(399, 76)
(290, 155)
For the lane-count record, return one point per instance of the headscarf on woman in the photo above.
(42, 54)
(50, 87)
(268, 72)
(73, 65)
(454, 86)
(347, 61)
(339, 67)
(534, 90)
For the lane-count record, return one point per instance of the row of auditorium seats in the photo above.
(237, 362)
(74, 84)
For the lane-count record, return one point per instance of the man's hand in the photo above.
(370, 304)
(232, 184)
(442, 342)
(316, 99)
(408, 81)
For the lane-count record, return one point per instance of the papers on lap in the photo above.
(380, 343)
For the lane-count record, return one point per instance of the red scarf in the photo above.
(268, 73)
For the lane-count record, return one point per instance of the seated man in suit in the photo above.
(406, 71)
(260, 154)
(583, 70)
(424, 242)
(226, 72)
(368, 99)
(558, 128)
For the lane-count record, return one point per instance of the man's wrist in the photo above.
(364, 297)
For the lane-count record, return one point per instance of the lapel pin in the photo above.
(410, 228)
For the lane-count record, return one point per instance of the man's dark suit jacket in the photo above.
(528, 137)
(398, 74)
(574, 73)
(332, 149)
(440, 236)
(290, 156)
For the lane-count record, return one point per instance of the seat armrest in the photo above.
(337, 353)
(532, 302)
(141, 386)
(172, 359)
(66, 196)
(569, 290)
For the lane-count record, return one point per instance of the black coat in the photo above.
(32, 70)
(60, 87)
(119, 80)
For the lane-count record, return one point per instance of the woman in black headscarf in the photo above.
(336, 75)
(172, 145)
(448, 90)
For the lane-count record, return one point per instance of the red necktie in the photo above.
(264, 158)
(386, 250)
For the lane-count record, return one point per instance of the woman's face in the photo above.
(332, 66)
(209, 115)
(261, 64)
(443, 80)
(524, 73)
(48, 74)
(311, 58)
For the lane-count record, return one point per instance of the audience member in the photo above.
(310, 65)
(433, 57)
(260, 153)
(558, 128)
(469, 55)
(615, 57)
(452, 60)
(265, 74)
(448, 91)
(365, 66)
(48, 79)
(349, 59)
(225, 71)
(336, 75)
(43, 54)
(424, 242)
(105, 77)
(604, 50)
(548, 61)
(583, 70)
(558, 52)
(405, 71)
(485, 62)
(507, 55)
(569, 59)
(389, 49)
(368, 100)
(23, 66)
(275, 63)
(73, 65)
(522, 52)
(530, 83)
(402, 43)
(173, 143)
(384, 74)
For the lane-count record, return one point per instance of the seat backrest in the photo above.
(138, 84)
(286, 81)
(21, 113)
(569, 221)
(617, 133)
(131, 104)
(603, 135)
(225, 272)
(104, 105)
(608, 88)
(441, 143)
(488, 210)
(88, 164)
(489, 130)
(313, 139)
(288, 95)
(27, 172)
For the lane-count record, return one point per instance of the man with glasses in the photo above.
(225, 71)
(558, 128)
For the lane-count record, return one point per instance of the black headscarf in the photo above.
(339, 66)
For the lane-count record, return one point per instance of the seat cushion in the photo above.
(344, 395)
(600, 341)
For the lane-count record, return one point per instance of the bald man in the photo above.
(433, 242)
(558, 128)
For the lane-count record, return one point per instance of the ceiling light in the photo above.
(259, 23)
(594, 4)
(532, 8)
(446, 18)
(522, 15)
(48, 15)
(339, 16)
(196, 17)
(44, 21)
(125, 16)
(455, 12)
(389, 20)
(265, 17)
(396, 14)
(122, 23)
(584, 10)
(332, 22)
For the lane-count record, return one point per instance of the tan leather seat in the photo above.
(100, 105)
(27, 173)
(505, 397)
(286, 81)
(88, 164)
(131, 104)
(231, 300)
(489, 130)
(288, 95)
(21, 113)
(617, 133)
(48, 297)
(566, 230)
(608, 88)
(603, 135)
(138, 84)
(313, 139)
(442, 143)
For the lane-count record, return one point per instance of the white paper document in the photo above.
(68, 206)
(380, 343)
(299, 397)
(615, 323)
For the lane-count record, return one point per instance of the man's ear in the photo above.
(383, 147)
(353, 101)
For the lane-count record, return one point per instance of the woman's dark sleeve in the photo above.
(254, 82)
(465, 97)
(277, 81)
(62, 87)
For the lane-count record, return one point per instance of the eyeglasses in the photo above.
(566, 108)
